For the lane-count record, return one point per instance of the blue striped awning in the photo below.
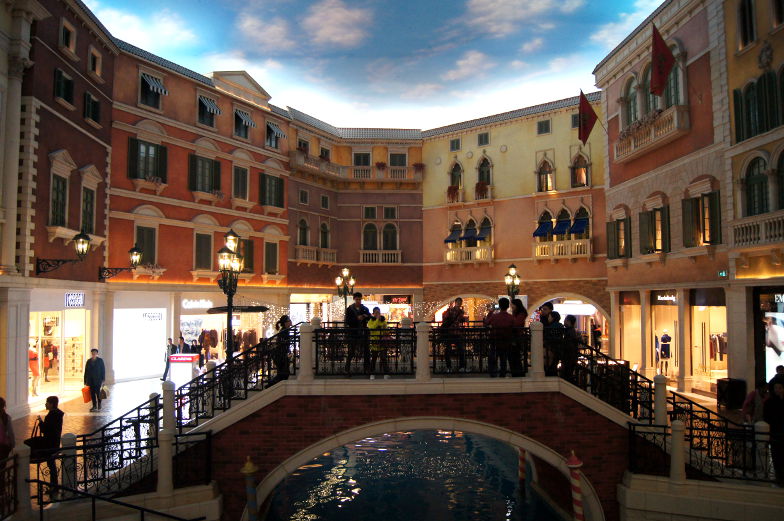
(579, 226)
(276, 130)
(469, 234)
(484, 233)
(561, 227)
(155, 84)
(453, 236)
(245, 117)
(544, 229)
(210, 104)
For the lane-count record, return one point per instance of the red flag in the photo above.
(662, 62)
(587, 117)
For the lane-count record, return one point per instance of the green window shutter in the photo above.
(68, 87)
(737, 101)
(689, 218)
(665, 217)
(133, 158)
(216, 175)
(88, 106)
(58, 83)
(612, 241)
(627, 231)
(203, 253)
(247, 255)
(96, 111)
(263, 189)
(162, 162)
(771, 95)
(278, 192)
(270, 257)
(714, 206)
(193, 167)
(646, 243)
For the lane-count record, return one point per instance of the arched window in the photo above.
(324, 236)
(389, 237)
(580, 172)
(651, 100)
(302, 233)
(581, 229)
(469, 234)
(562, 225)
(767, 101)
(544, 177)
(751, 110)
(456, 176)
(756, 182)
(544, 230)
(630, 102)
(672, 89)
(484, 171)
(746, 30)
(485, 231)
(370, 237)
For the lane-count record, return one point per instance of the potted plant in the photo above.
(481, 190)
(451, 193)
(419, 167)
(381, 166)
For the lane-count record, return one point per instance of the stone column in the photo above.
(169, 419)
(537, 350)
(165, 463)
(23, 504)
(684, 340)
(176, 307)
(647, 365)
(660, 399)
(14, 334)
(773, 189)
(68, 477)
(422, 352)
(306, 348)
(740, 333)
(615, 324)
(107, 335)
(677, 447)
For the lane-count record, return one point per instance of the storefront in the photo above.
(664, 327)
(629, 327)
(768, 304)
(59, 341)
(330, 307)
(709, 346)
(140, 330)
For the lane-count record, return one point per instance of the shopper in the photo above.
(94, 376)
(451, 322)
(170, 350)
(356, 318)
(32, 361)
(377, 326)
(280, 350)
(774, 416)
(553, 341)
(52, 431)
(753, 404)
(569, 349)
(520, 314)
(501, 324)
(7, 440)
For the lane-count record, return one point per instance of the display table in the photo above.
(184, 368)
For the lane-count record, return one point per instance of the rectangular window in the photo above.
(575, 121)
(304, 197)
(208, 109)
(95, 62)
(59, 200)
(325, 202)
(88, 210)
(68, 37)
(92, 108)
(146, 160)
(272, 139)
(150, 90)
(361, 159)
(370, 212)
(271, 191)
(390, 212)
(655, 230)
(240, 185)
(63, 86)
(271, 258)
(145, 240)
(246, 250)
(240, 128)
(483, 139)
(701, 220)
(543, 127)
(303, 145)
(454, 144)
(203, 174)
(398, 159)
(203, 260)
(619, 238)
(324, 154)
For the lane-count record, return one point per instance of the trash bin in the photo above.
(730, 392)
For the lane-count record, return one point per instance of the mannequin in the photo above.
(664, 355)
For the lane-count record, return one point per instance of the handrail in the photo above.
(8, 492)
(142, 510)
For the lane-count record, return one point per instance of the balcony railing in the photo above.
(314, 254)
(380, 256)
(652, 132)
(312, 163)
(758, 230)
(469, 254)
(303, 161)
(576, 248)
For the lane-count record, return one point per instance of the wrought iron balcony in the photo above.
(651, 132)
(573, 249)
(758, 230)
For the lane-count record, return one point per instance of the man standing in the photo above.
(94, 375)
(451, 322)
(501, 324)
(170, 350)
(356, 319)
(52, 430)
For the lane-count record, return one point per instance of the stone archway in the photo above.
(535, 304)
(591, 502)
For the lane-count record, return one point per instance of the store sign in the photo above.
(397, 299)
(196, 303)
(153, 316)
(778, 298)
(74, 299)
(665, 298)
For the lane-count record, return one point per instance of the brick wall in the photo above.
(293, 423)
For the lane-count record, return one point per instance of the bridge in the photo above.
(625, 428)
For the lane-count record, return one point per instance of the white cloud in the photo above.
(421, 91)
(163, 31)
(270, 35)
(611, 34)
(570, 6)
(332, 22)
(517, 64)
(472, 63)
(503, 17)
(532, 46)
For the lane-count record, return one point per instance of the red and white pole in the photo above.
(521, 474)
(575, 479)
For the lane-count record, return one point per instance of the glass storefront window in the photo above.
(629, 322)
(708, 334)
(768, 331)
(664, 325)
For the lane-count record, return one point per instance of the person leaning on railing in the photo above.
(356, 318)
(501, 325)
(377, 326)
(519, 314)
(280, 350)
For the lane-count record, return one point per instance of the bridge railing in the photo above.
(349, 351)
(475, 349)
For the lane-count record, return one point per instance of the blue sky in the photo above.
(387, 63)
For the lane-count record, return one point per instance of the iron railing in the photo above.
(192, 459)
(349, 351)
(8, 497)
(475, 349)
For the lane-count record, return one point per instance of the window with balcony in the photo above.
(146, 160)
(303, 145)
(88, 210)
(370, 237)
(544, 177)
(59, 201)
(271, 258)
(544, 228)
(651, 100)
(655, 230)
(581, 228)
(579, 172)
(757, 108)
(150, 90)
(672, 89)
(63, 86)
(619, 238)
(389, 237)
(240, 184)
(245, 248)
(204, 174)
(701, 217)
(324, 236)
(203, 251)
(208, 109)
(485, 231)
(756, 187)
(456, 176)
(469, 234)
(398, 160)
(361, 159)
(562, 224)
(303, 231)
(630, 102)
(270, 190)
(483, 172)
(146, 241)
(746, 30)
(324, 154)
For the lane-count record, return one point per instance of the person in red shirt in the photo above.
(501, 324)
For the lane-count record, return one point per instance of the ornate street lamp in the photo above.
(82, 245)
(230, 267)
(106, 273)
(512, 281)
(345, 284)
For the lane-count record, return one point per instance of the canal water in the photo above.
(410, 476)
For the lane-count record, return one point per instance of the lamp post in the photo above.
(82, 245)
(230, 266)
(345, 284)
(106, 273)
(512, 281)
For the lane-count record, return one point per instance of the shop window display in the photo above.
(768, 331)
(664, 323)
(709, 335)
(57, 351)
(629, 348)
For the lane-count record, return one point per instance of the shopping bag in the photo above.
(86, 394)
(39, 449)
(104, 392)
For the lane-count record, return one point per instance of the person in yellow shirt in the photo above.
(377, 326)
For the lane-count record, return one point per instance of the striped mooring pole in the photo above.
(574, 465)
(248, 470)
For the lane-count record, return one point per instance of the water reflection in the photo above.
(408, 476)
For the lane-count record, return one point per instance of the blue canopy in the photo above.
(469, 234)
(579, 226)
(561, 227)
(484, 233)
(545, 228)
(453, 236)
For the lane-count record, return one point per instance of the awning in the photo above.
(544, 229)
(484, 233)
(469, 234)
(453, 236)
(245, 117)
(561, 227)
(276, 130)
(155, 84)
(579, 226)
(210, 104)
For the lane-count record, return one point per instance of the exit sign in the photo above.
(722, 274)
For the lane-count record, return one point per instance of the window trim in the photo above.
(211, 235)
(539, 125)
(70, 49)
(66, 78)
(324, 197)
(455, 144)
(234, 168)
(97, 75)
(479, 139)
(155, 75)
(322, 228)
(303, 200)
(147, 223)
